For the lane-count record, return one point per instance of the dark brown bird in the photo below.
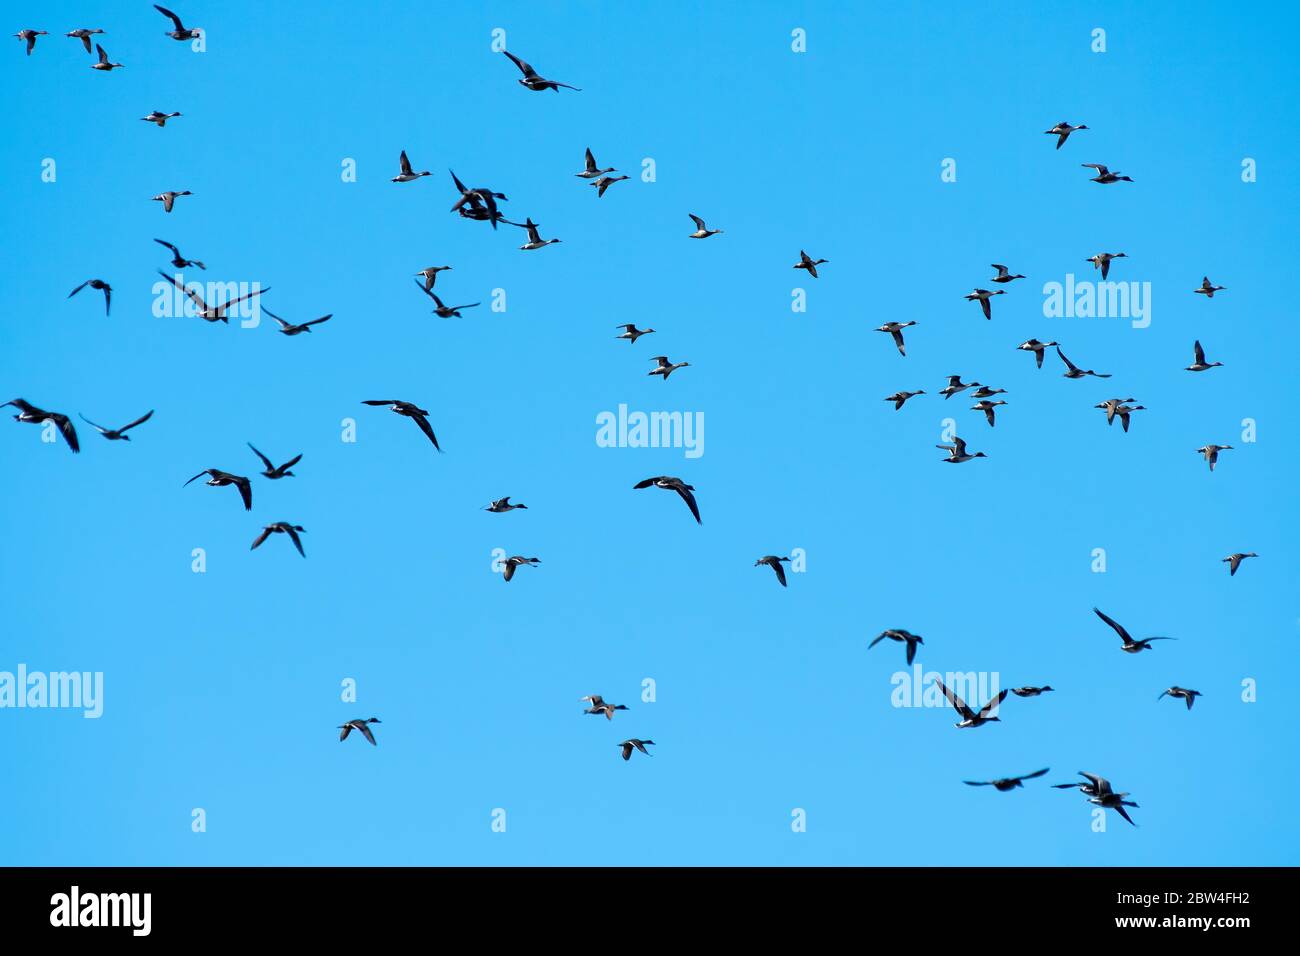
(282, 527)
(99, 285)
(640, 745)
(218, 478)
(1005, 784)
(414, 412)
(361, 725)
(518, 561)
(38, 416)
(669, 483)
(773, 562)
(117, 434)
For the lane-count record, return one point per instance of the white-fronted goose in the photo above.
(987, 408)
(178, 260)
(29, 36)
(1187, 695)
(502, 505)
(159, 118)
(535, 241)
(1104, 175)
(83, 34)
(1200, 365)
(407, 174)
(1037, 347)
(282, 527)
(701, 230)
(598, 706)
(104, 64)
(808, 264)
(359, 725)
(982, 296)
(212, 313)
(289, 328)
(1130, 646)
(1102, 261)
(1005, 784)
(181, 32)
(1004, 275)
(631, 332)
(1062, 131)
(534, 82)
(518, 561)
(168, 199)
(640, 745)
(604, 182)
(276, 472)
(219, 479)
(32, 415)
(430, 275)
(899, 398)
(665, 367)
(98, 285)
(957, 452)
(117, 434)
(901, 636)
(1208, 288)
(669, 483)
(1073, 371)
(896, 330)
(1211, 453)
(411, 411)
(773, 562)
(1234, 560)
(591, 171)
(970, 718)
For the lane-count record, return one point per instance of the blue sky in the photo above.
(222, 689)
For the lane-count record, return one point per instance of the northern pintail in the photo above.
(1130, 645)
(359, 725)
(773, 562)
(534, 82)
(895, 329)
(808, 264)
(957, 452)
(1234, 560)
(1200, 365)
(1104, 175)
(982, 296)
(1211, 453)
(1062, 131)
(117, 434)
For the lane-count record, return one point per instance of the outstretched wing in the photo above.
(695, 510)
(297, 543)
(265, 461)
(1113, 623)
(524, 68)
(139, 421)
(993, 704)
(957, 702)
(427, 429)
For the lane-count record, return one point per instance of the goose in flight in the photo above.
(899, 398)
(288, 328)
(32, 415)
(168, 199)
(181, 32)
(983, 296)
(1073, 371)
(1208, 288)
(1130, 646)
(902, 637)
(1005, 784)
(701, 230)
(430, 275)
(441, 309)
(518, 561)
(1187, 695)
(1031, 691)
(219, 479)
(502, 505)
(408, 175)
(631, 332)
(275, 472)
(809, 264)
(970, 718)
(604, 182)
(104, 64)
(1234, 560)
(987, 408)
(598, 706)
(117, 434)
(534, 82)
(83, 34)
(212, 313)
(1102, 261)
(159, 118)
(592, 172)
(414, 412)
(665, 367)
(668, 483)
(1104, 175)
(30, 37)
(1211, 453)
(954, 386)
(773, 562)
(957, 452)
(640, 745)
(1004, 275)
(896, 330)
(1200, 365)
(535, 241)
(1062, 130)
(99, 285)
(282, 527)
(1037, 347)
(360, 725)
(178, 260)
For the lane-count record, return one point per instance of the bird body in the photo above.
(219, 479)
(409, 410)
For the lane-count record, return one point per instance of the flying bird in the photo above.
(987, 408)
(502, 505)
(518, 561)
(701, 230)
(430, 275)
(212, 313)
(1037, 347)
(985, 391)
(276, 472)
(591, 171)
(598, 706)
(1062, 130)
(419, 415)
(1200, 365)
(1130, 645)
(117, 434)
(640, 745)
(1116, 407)
(407, 174)
(1104, 796)
(32, 415)
(104, 64)
(631, 332)
(30, 37)
(168, 199)
(178, 260)
(441, 309)
(1004, 275)
(83, 34)
(896, 330)
(535, 241)
(99, 285)
(288, 328)
(983, 296)
(181, 32)
(218, 479)
(1102, 261)
(534, 82)
(969, 717)
(668, 483)
(1104, 175)
(1208, 288)
(665, 367)
(808, 264)
(954, 386)
(1073, 371)
(480, 198)
(902, 637)
(361, 725)
(282, 527)
(1031, 691)
(957, 452)
(773, 562)
(898, 398)
(1211, 453)
(159, 118)
(1187, 695)
(1005, 784)
(1234, 560)
(604, 182)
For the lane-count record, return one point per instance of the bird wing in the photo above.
(265, 461)
(780, 572)
(406, 164)
(245, 491)
(323, 318)
(1100, 784)
(67, 429)
(266, 533)
(976, 783)
(1118, 628)
(297, 543)
(627, 751)
(1102, 170)
(100, 428)
(292, 461)
(695, 510)
(1036, 773)
(205, 471)
(1070, 364)
(898, 340)
(174, 18)
(103, 57)
(591, 161)
(699, 223)
(1124, 813)
(247, 295)
(646, 483)
(382, 401)
(510, 569)
(957, 702)
(427, 429)
(78, 288)
(347, 729)
(176, 252)
(139, 421)
(1200, 352)
(524, 68)
(193, 296)
(365, 732)
(987, 307)
(993, 704)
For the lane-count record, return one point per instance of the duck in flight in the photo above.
(359, 725)
(970, 718)
(984, 391)
(518, 561)
(32, 415)
(987, 408)
(896, 330)
(1112, 406)
(481, 199)
(1073, 371)
(219, 479)
(1104, 175)
(668, 483)
(212, 313)
(1122, 412)
(1130, 646)
(1104, 796)
(957, 452)
(640, 745)
(117, 434)
(534, 82)
(282, 527)
(591, 171)
(83, 35)
(773, 562)
(631, 332)
(178, 260)
(1211, 453)
(1062, 131)
(159, 118)
(665, 367)
(1102, 261)
(502, 505)
(430, 275)
(168, 199)
(288, 328)
(1037, 347)
(604, 182)
(1031, 691)
(983, 296)
(954, 386)
(99, 285)
(535, 241)
(441, 309)
(1208, 288)
(1199, 364)
(104, 64)
(29, 36)
(1234, 560)
(701, 230)
(899, 398)
(275, 472)
(1004, 274)
(902, 637)
(412, 411)
(1005, 784)
(407, 174)
(1087, 787)
(808, 264)
(181, 32)
(1187, 695)
(598, 706)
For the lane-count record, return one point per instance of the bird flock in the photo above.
(484, 204)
